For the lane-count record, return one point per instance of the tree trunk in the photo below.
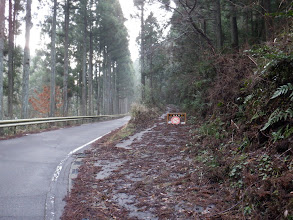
(83, 96)
(247, 20)
(10, 62)
(2, 36)
(252, 23)
(26, 61)
(218, 24)
(142, 52)
(116, 93)
(66, 60)
(109, 84)
(152, 80)
(105, 58)
(80, 92)
(268, 21)
(106, 84)
(100, 93)
(96, 89)
(53, 62)
(204, 26)
(90, 80)
(114, 88)
(234, 28)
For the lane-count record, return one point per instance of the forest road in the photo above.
(34, 169)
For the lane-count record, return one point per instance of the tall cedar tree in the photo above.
(2, 36)
(26, 61)
(66, 58)
(90, 80)
(10, 60)
(53, 62)
(84, 59)
(140, 4)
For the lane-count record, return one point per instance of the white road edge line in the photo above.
(50, 203)
(59, 167)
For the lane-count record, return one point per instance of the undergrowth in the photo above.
(142, 116)
(246, 142)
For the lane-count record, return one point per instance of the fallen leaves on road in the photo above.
(153, 177)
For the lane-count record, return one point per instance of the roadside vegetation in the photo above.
(143, 116)
(238, 95)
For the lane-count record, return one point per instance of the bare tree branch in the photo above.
(194, 5)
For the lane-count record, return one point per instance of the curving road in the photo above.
(34, 169)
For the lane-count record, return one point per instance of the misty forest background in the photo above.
(86, 67)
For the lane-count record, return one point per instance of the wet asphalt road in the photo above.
(28, 164)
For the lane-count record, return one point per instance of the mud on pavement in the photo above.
(150, 175)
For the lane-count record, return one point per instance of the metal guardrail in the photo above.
(33, 121)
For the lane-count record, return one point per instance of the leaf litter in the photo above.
(149, 175)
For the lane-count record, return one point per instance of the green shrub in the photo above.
(213, 128)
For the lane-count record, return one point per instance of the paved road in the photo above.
(34, 169)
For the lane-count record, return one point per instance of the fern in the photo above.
(288, 131)
(289, 112)
(248, 98)
(274, 117)
(257, 115)
(277, 116)
(284, 90)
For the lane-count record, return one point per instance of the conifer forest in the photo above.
(227, 64)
